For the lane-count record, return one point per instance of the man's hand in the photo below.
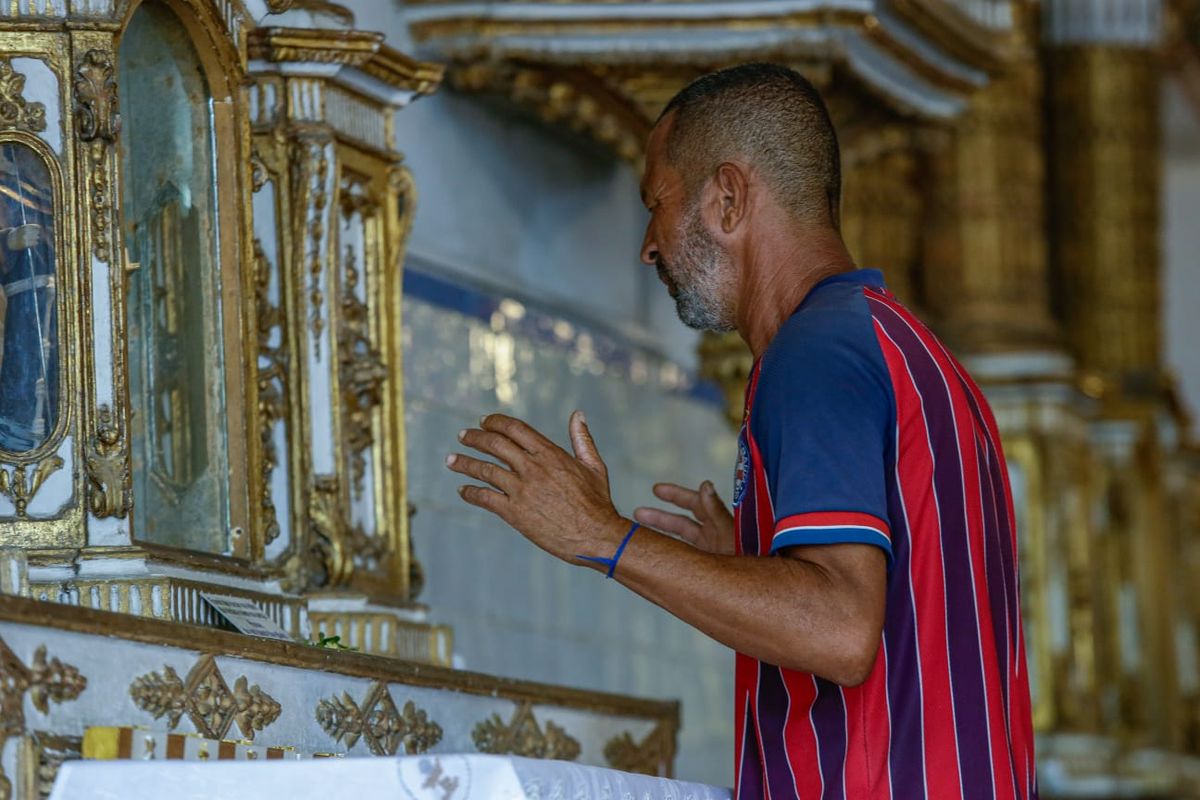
(558, 501)
(23, 237)
(710, 526)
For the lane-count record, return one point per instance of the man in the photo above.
(868, 576)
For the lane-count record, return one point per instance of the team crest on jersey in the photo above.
(741, 472)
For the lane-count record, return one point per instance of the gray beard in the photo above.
(699, 302)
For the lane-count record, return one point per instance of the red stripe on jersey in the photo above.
(799, 735)
(868, 740)
(915, 473)
(834, 519)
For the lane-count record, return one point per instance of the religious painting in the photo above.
(29, 353)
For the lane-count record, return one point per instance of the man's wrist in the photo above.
(611, 541)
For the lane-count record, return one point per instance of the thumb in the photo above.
(583, 444)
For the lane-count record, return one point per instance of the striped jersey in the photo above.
(861, 427)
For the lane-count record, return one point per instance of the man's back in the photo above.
(860, 427)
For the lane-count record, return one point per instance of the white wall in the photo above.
(509, 210)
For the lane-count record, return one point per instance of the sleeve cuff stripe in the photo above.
(815, 529)
(843, 535)
(830, 520)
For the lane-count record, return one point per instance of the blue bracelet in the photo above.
(611, 563)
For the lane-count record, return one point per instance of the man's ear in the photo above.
(732, 183)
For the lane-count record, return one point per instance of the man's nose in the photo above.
(649, 251)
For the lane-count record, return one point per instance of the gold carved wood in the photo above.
(44, 681)
(385, 728)
(524, 736)
(1104, 156)
(110, 485)
(985, 256)
(653, 755)
(207, 700)
(15, 111)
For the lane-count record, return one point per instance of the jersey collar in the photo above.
(862, 277)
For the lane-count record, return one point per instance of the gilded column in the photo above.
(881, 207)
(1102, 81)
(985, 252)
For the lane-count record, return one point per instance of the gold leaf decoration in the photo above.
(96, 98)
(272, 384)
(206, 699)
(15, 110)
(45, 681)
(341, 718)
(523, 736)
(651, 756)
(337, 10)
(20, 487)
(110, 487)
(53, 680)
(254, 708)
(378, 721)
(309, 166)
(160, 694)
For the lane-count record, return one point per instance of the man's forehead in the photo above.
(655, 143)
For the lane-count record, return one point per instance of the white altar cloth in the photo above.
(427, 777)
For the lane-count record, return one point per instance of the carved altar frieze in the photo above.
(206, 699)
(653, 755)
(377, 719)
(44, 681)
(524, 736)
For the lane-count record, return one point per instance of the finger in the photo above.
(484, 471)
(483, 497)
(668, 523)
(518, 430)
(494, 444)
(584, 445)
(714, 507)
(679, 495)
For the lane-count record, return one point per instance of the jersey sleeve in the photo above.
(823, 420)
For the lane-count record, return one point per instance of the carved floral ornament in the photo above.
(20, 485)
(45, 681)
(96, 98)
(15, 111)
(206, 699)
(377, 719)
(110, 487)
(524, 736)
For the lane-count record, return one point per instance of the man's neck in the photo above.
(778, 274)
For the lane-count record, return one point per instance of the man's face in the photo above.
(696, 270)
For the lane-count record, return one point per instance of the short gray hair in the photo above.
(772, 117)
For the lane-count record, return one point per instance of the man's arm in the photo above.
(818, 609)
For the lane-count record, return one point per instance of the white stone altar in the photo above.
(460, 777)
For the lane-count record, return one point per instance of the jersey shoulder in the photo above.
(830, 336)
